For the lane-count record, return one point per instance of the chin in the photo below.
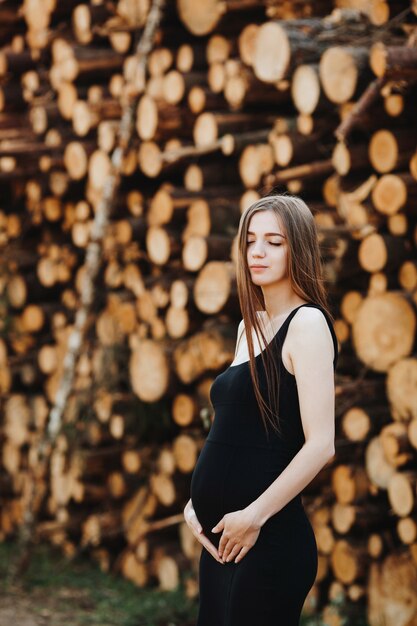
(262, 280)
(265, 281)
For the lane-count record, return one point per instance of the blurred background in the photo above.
(132, 136)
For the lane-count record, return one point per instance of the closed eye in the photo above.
(270, 243)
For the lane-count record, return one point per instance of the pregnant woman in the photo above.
(273, 428)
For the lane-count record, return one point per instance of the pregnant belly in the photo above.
(228, 478)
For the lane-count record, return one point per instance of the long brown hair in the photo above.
(305, 272)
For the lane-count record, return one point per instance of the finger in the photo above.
(212, 549)
(205, 541)
(215, 555)
(222, 544)
(224, 540)
(212, 546)
(201, 537)
(241, 554)
(227, 548)
(233, 552)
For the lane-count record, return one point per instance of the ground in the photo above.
(55, 591)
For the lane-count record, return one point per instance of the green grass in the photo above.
(77, 593)
(78, 589)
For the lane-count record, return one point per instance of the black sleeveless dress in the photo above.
(238, 462)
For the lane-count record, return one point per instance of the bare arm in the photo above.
(310, 347)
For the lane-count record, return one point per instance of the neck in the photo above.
(279, 299)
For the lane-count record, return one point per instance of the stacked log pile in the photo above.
(239, 97)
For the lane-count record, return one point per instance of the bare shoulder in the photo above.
(309, 327)
(309, 317)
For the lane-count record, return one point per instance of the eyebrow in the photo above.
(266, 234)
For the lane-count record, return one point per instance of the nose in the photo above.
(257, 249)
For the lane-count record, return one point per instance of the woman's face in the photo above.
(267, 247)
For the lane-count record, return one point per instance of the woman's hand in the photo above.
(197, 530)
(240, 532)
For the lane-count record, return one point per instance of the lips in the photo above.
(259, 266)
